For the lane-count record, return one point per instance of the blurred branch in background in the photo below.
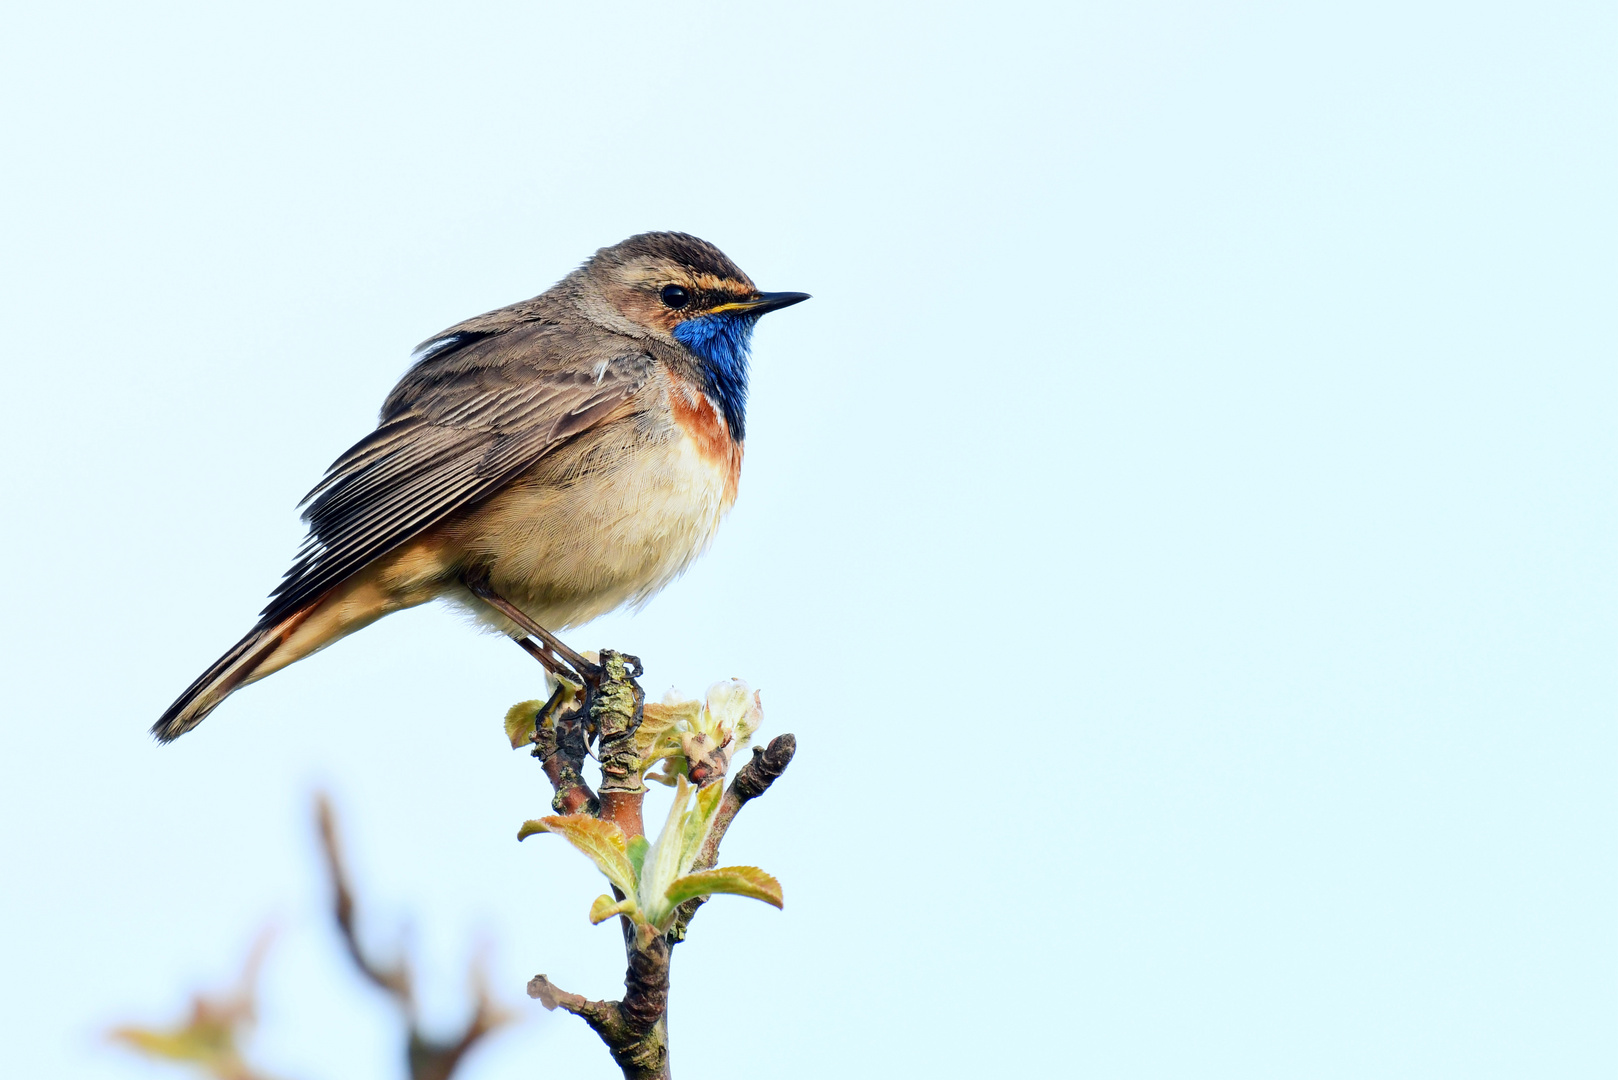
(429, 1058)
(210, 1040)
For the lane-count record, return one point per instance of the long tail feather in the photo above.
(225, 675)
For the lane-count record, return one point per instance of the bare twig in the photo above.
(635, 1029)
(429, 1058)
(393, 979)
(599, 1014)
(752, 780)
(437, 1060)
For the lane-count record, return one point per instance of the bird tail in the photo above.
(241, 665)
(412, 575)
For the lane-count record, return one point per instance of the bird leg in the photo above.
(588, 674)
(546, 658)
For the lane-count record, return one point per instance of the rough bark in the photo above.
(560, 746)
(616, 709)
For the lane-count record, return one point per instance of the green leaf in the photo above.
(202, 1042)
(662, 863)
(737, 880)
(520, 722)
(638, 847)
(605, 907)
(697, 821)
(601, 840)
(665, 714)
(656, 726)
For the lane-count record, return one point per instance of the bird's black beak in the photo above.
(759, 303)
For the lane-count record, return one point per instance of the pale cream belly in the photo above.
(567, 544)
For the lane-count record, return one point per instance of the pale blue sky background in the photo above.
(1180, 530)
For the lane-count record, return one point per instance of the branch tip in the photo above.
(546, 992)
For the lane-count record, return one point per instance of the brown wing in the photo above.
(475, 412)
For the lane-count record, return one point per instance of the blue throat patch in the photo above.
(723, 342)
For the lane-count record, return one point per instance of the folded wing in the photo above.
(466, 420)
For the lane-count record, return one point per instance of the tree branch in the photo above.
(616, 709)
(560, 746)
(428, 1058)
(393, 979)
(634, 1030)
(431, 1059)
(752, 780)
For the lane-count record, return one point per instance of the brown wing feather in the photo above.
(461, 424)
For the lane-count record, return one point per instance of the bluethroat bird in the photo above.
(539, 465)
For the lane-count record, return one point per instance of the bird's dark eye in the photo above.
(674, 296)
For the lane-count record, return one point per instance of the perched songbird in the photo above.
(541, 465)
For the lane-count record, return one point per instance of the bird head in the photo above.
(686, 292)
(676, 287)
